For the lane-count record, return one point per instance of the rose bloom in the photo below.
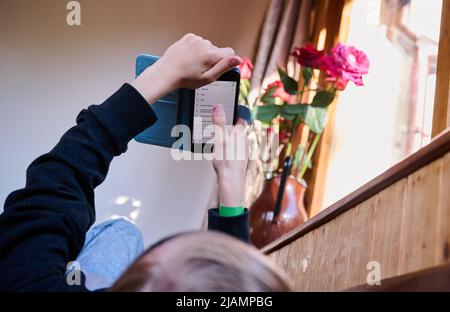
(279, 91)
(246, 68)
(282, 135)
(309, 56)
(340, 83)
(346, 63)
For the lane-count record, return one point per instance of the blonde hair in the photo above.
(208, 261)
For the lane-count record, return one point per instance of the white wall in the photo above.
(49, 71)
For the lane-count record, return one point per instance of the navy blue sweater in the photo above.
(43, 225)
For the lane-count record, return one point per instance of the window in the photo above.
(391, 117)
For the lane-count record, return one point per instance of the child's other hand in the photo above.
(191, 62)
(230, 158)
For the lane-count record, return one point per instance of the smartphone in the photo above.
(223, 91)
(192, 108)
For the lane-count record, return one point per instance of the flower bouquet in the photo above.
(287, 106)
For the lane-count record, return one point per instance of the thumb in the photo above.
(218, 116)
(241, 122)
(221, 67)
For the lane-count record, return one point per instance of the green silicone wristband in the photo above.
(225, 211)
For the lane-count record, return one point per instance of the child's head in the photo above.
(204, 261)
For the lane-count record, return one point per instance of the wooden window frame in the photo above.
(332, 17)
(441, 112)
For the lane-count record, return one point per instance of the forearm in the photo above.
(230, 217)
(161, 82)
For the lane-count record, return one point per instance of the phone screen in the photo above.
(218, 92)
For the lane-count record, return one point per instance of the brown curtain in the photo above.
(286, 24)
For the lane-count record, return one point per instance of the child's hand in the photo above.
(230, 158)
(191, 62)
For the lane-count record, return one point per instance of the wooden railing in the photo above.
(400, 221)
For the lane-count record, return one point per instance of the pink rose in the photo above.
(309, 56)
(246, 68)
(346, 63)
(282, 135)
(340, 83)
(279, 91)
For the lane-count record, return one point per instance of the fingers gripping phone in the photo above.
(192, 108)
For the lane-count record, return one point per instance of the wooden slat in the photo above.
(332, 239)
(294, 259)
(274, 256)
(313, 259)
(419, 233)
(340, 251)
(437, 148)
(361, 242)
(441, 113)
(387, 221)
(320, 261)
(303, 272)
(443, 242)
(317, 265)
(283, 258)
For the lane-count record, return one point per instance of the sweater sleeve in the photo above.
(43, 225)
(236, 226)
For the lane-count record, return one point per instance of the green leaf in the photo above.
(267, 96)
(287, 116)
(307, 75)
(290, 84)
(295, 109)
(269, 101)
(316, 118)
(291, 110)
(322, 99)
(267, 113)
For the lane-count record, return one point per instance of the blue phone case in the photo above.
(166, 110)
